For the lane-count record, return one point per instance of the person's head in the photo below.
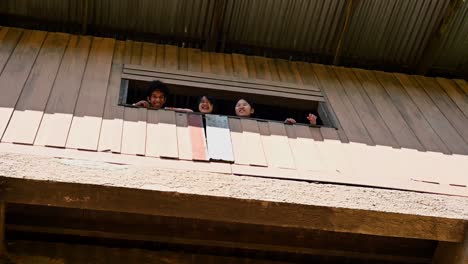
(244, 108)
(157, 94)
(205, 104)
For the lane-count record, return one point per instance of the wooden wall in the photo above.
(400, 131)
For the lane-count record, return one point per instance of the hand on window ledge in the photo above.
(142, 103)
(312, 119)
(185, 110)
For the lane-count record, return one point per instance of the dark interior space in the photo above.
(266, 107)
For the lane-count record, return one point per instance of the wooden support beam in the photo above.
(437, 37)
(351, 6)
(453, 253)
(216, 26)
(230, 210)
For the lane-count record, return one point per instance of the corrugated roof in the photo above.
(381, 32)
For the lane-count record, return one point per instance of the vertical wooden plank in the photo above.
(183, 137)
(218, 138)
(284, 71)
(309, 78)
(414, 118)
(240, 68)
(217, 63)
(183, 59)
(432, 114)
(87, 119)
(197, 137)
(331, 151)
(58, 115)
(206, 63)
(303, 148)
(16, 73)
(148, 57)
(8, 40)
(228, 64)
(366, 110)
(152, 134)
(344, 110)
(134, 131)
(136, 53)
(252, 143)
(455, 93)
(387, 110)
(194, 57)
(276, 145)
(446, 106)
(110, 138)
(463, 85)
(251, 67)
(171, 59)
(262, 69)
(28, 112)
(273, 70)
(235, 127)
(160, 55)
(161, 135)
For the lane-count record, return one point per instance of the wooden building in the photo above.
(87, 178)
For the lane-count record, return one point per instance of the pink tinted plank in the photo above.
(448, 108)
(134, 131)
(197, 137)
(194, 59)
(28, 112)
(16, 73)
(9, 37)
(161, 134)
(152, 134)
(110, 138)
(303, 148)
(387, 110)
(433, 115)
(87, 119)
(58, 114)
(455, 93)
(218, 138)
(252, 143)
(276, 146)
(331, 151)
(183, 137)
(237, 141)
(366, 110)
(148, 54)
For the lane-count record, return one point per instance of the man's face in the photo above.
(157, 99)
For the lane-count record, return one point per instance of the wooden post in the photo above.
(453, 253)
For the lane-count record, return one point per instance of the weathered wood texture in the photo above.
(63, 91)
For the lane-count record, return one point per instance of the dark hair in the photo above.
(250, 102)
(157, 86)
(210, 98)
